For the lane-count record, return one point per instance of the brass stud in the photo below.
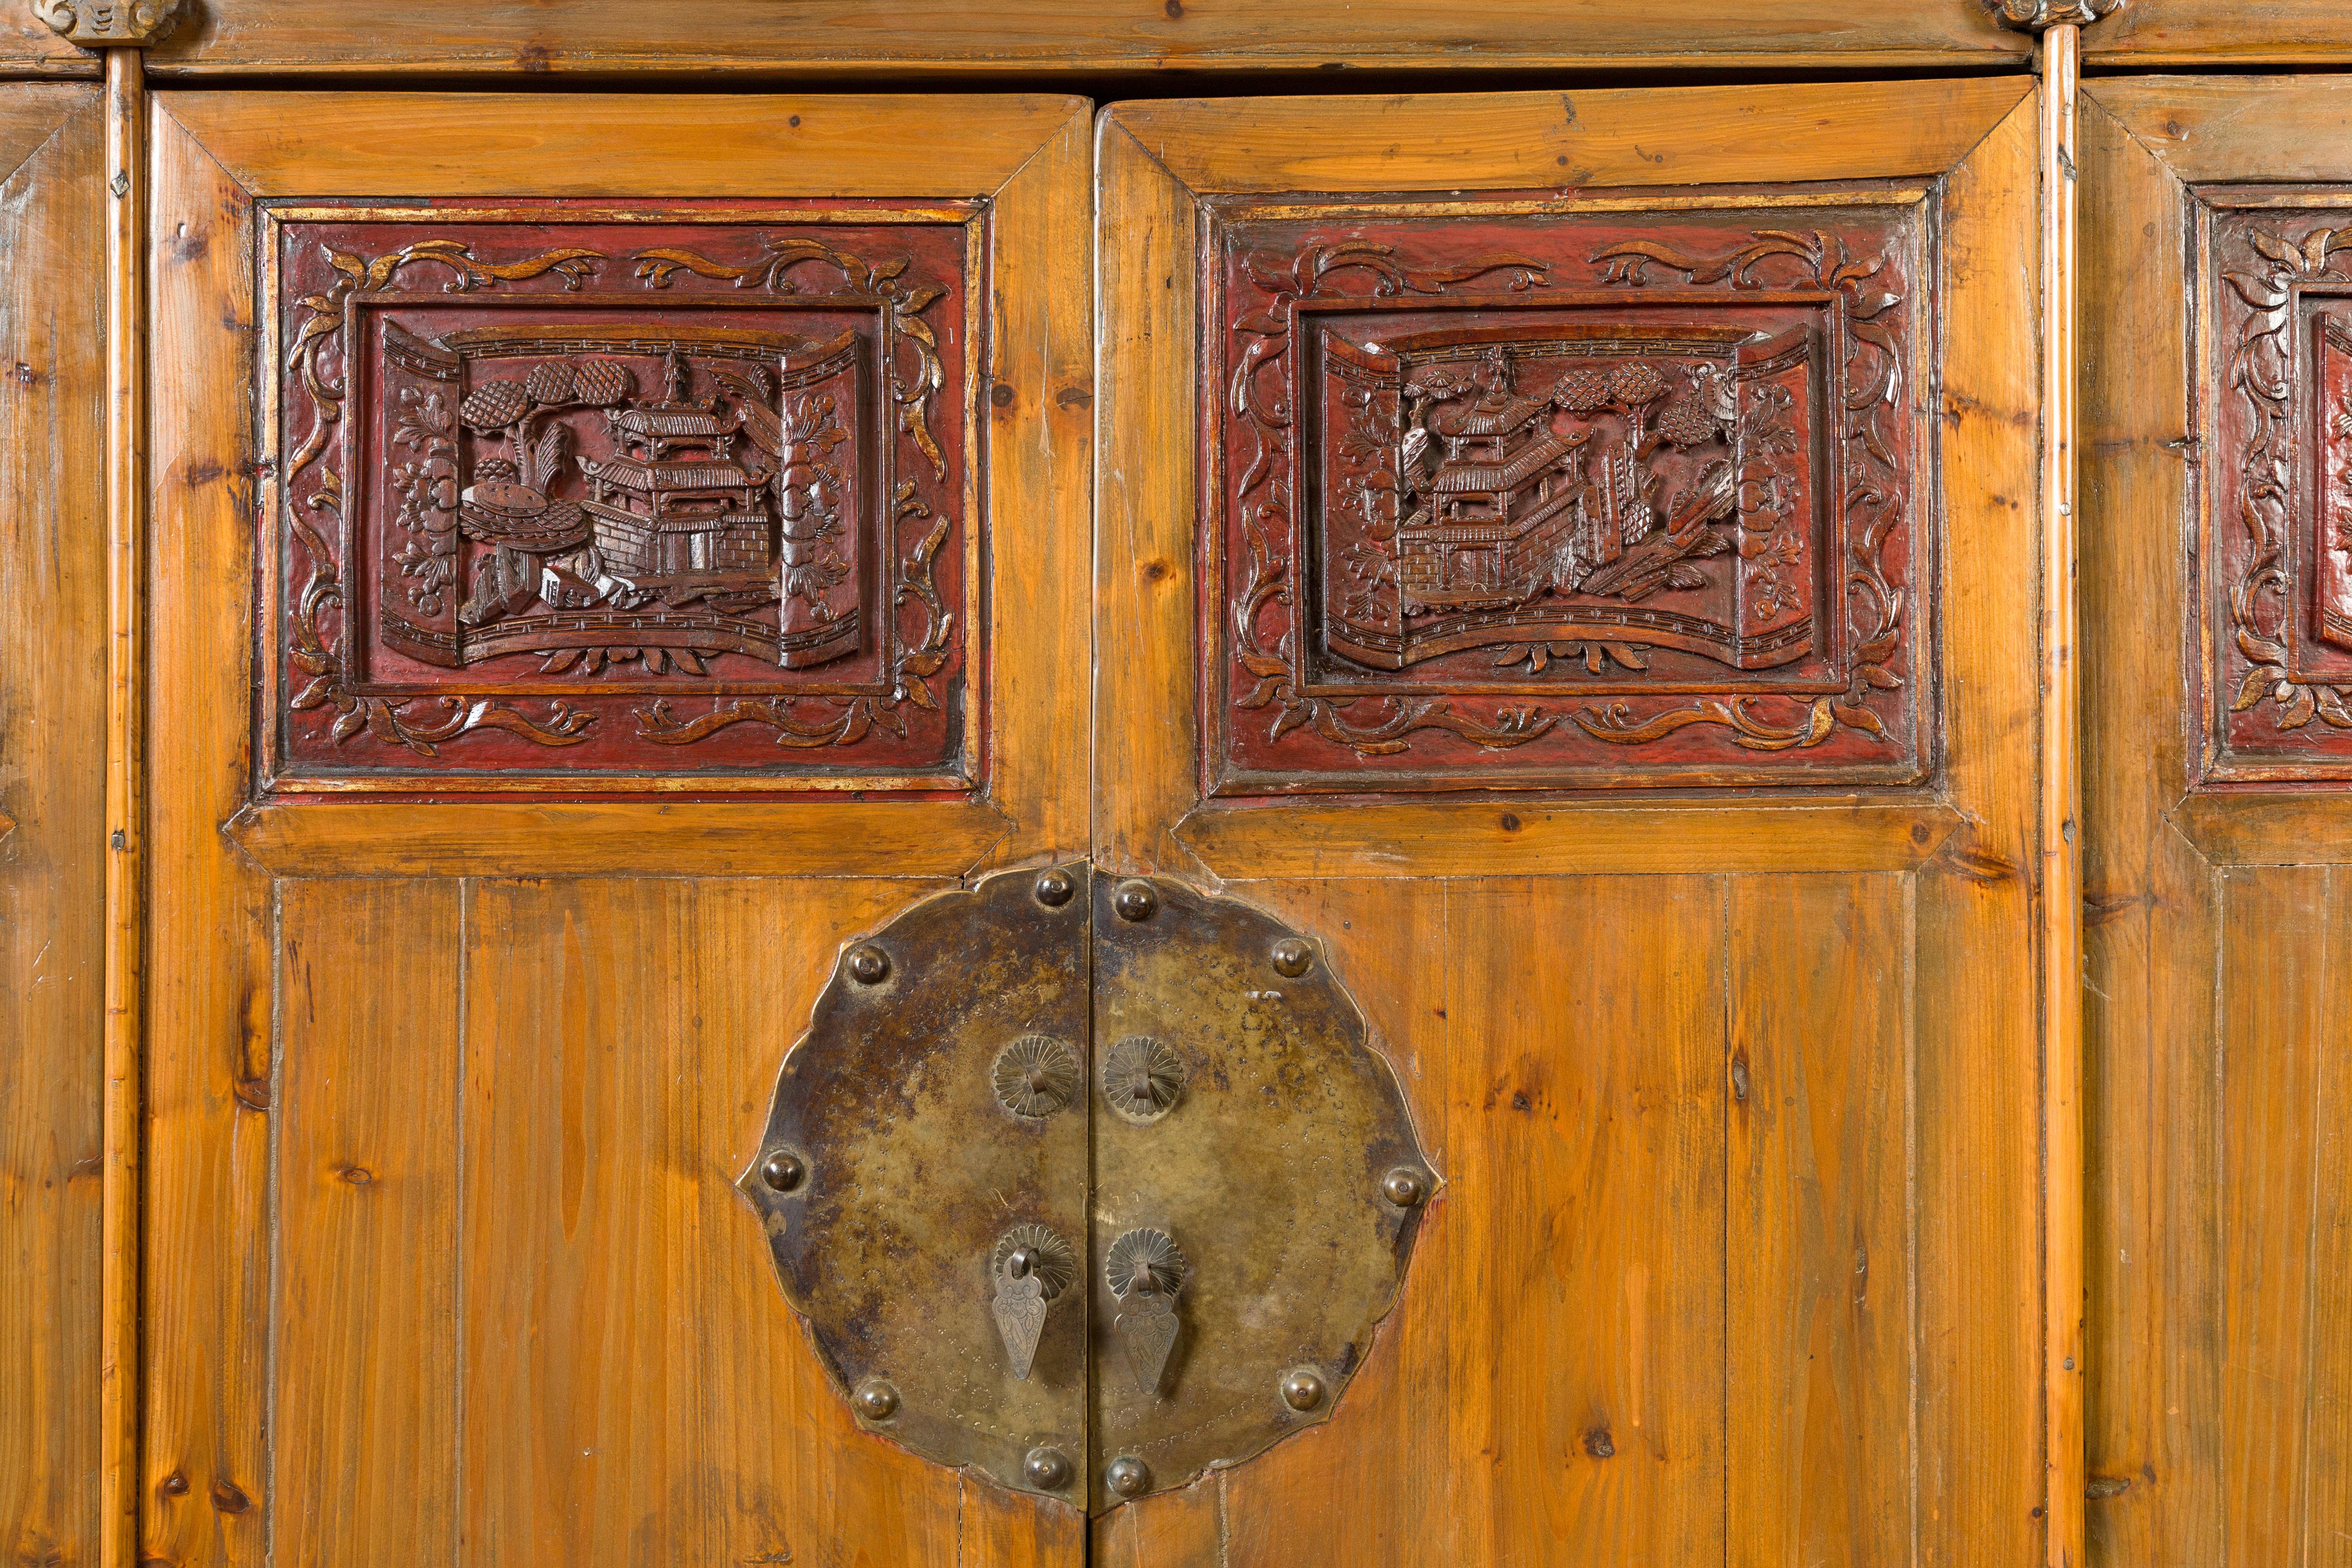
(1303, 1389)
(1403, 1186)
(876, 1400)
(1128, 1476)
(1291, 957)
(1135, 902)
(1054, 888)
(783, 1170)
(868, 965)
(1047, 1470)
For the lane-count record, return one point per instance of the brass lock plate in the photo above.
(1092, 1184)
(901, 1170)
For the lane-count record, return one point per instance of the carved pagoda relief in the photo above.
(2278, 500)
(567, 505)
(1592, 501)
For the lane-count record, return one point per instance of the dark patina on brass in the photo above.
(1268, 1182)
(1089, 1184)
(917, 1168)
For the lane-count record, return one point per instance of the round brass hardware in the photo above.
(1291, 957)
(1050, 1257)
(876, 1400)
(1303, 1389)
(1135, 902)
(1047, 1470)
(1141, 1078)
(1053, 890)
(1128, 1476)
(783, 1170)
(868, 965)
(1147, 1260)
(1402, 1187)
(1036, 1075)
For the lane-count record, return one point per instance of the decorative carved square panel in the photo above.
(580, 501)
(1528, 494)
(2276, 549)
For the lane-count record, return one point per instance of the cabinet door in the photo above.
(1577, 553)
(2218, 529)
(607, 550)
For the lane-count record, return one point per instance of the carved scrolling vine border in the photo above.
(319, 334)
(2260, 368)
(1877, 498)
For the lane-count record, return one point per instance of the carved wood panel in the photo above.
(1515, 497)
(575, 500)
(2276, 513)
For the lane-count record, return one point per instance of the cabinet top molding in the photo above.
(2033, 15)
(109, 24)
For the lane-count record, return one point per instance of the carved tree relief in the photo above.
(1574, 503)
(649, 498)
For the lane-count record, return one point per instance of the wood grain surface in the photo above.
(2215, 917)
(2219, 32)
(853, 38)
(52, 829)
(446, 1100)
(1739, 1249)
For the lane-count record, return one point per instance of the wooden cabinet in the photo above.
(522, 576)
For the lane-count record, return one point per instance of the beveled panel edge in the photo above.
(621, 145)
(1501, 838)
(2271, 828)
(645, 838)
(1626, 137)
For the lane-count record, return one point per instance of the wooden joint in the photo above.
(110, 24)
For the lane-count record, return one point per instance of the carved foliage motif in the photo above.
(1569, 503)
(648, 497)
(2279, 507)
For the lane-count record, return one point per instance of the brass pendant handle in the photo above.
(1029, 1267)
(1145, 1268)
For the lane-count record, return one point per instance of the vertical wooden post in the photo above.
(2062, 858)
(126, 451)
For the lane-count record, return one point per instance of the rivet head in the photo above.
(1303, 1389)
(876, 1400)
(1135, 902)
(1403, 1186)
(1054, 888)
(783, 1170)
(868, 965)
(1291, 957)
(1128, 1476)
(1047, 1470)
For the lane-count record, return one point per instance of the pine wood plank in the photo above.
(2219, 32)
(613, 144)
(1587, 1131)
(633, 1383)
(208, 994)
(476, 838)
(2153, 1277)
(1041, 466)
(1818, 1219)
(1981, 1184)
(364, 1297)
(1552, 837)
(1546, 141)
(845, 39)
(2279, 1080)
(1168, 1530)
(52, 573)
(2236, 127)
